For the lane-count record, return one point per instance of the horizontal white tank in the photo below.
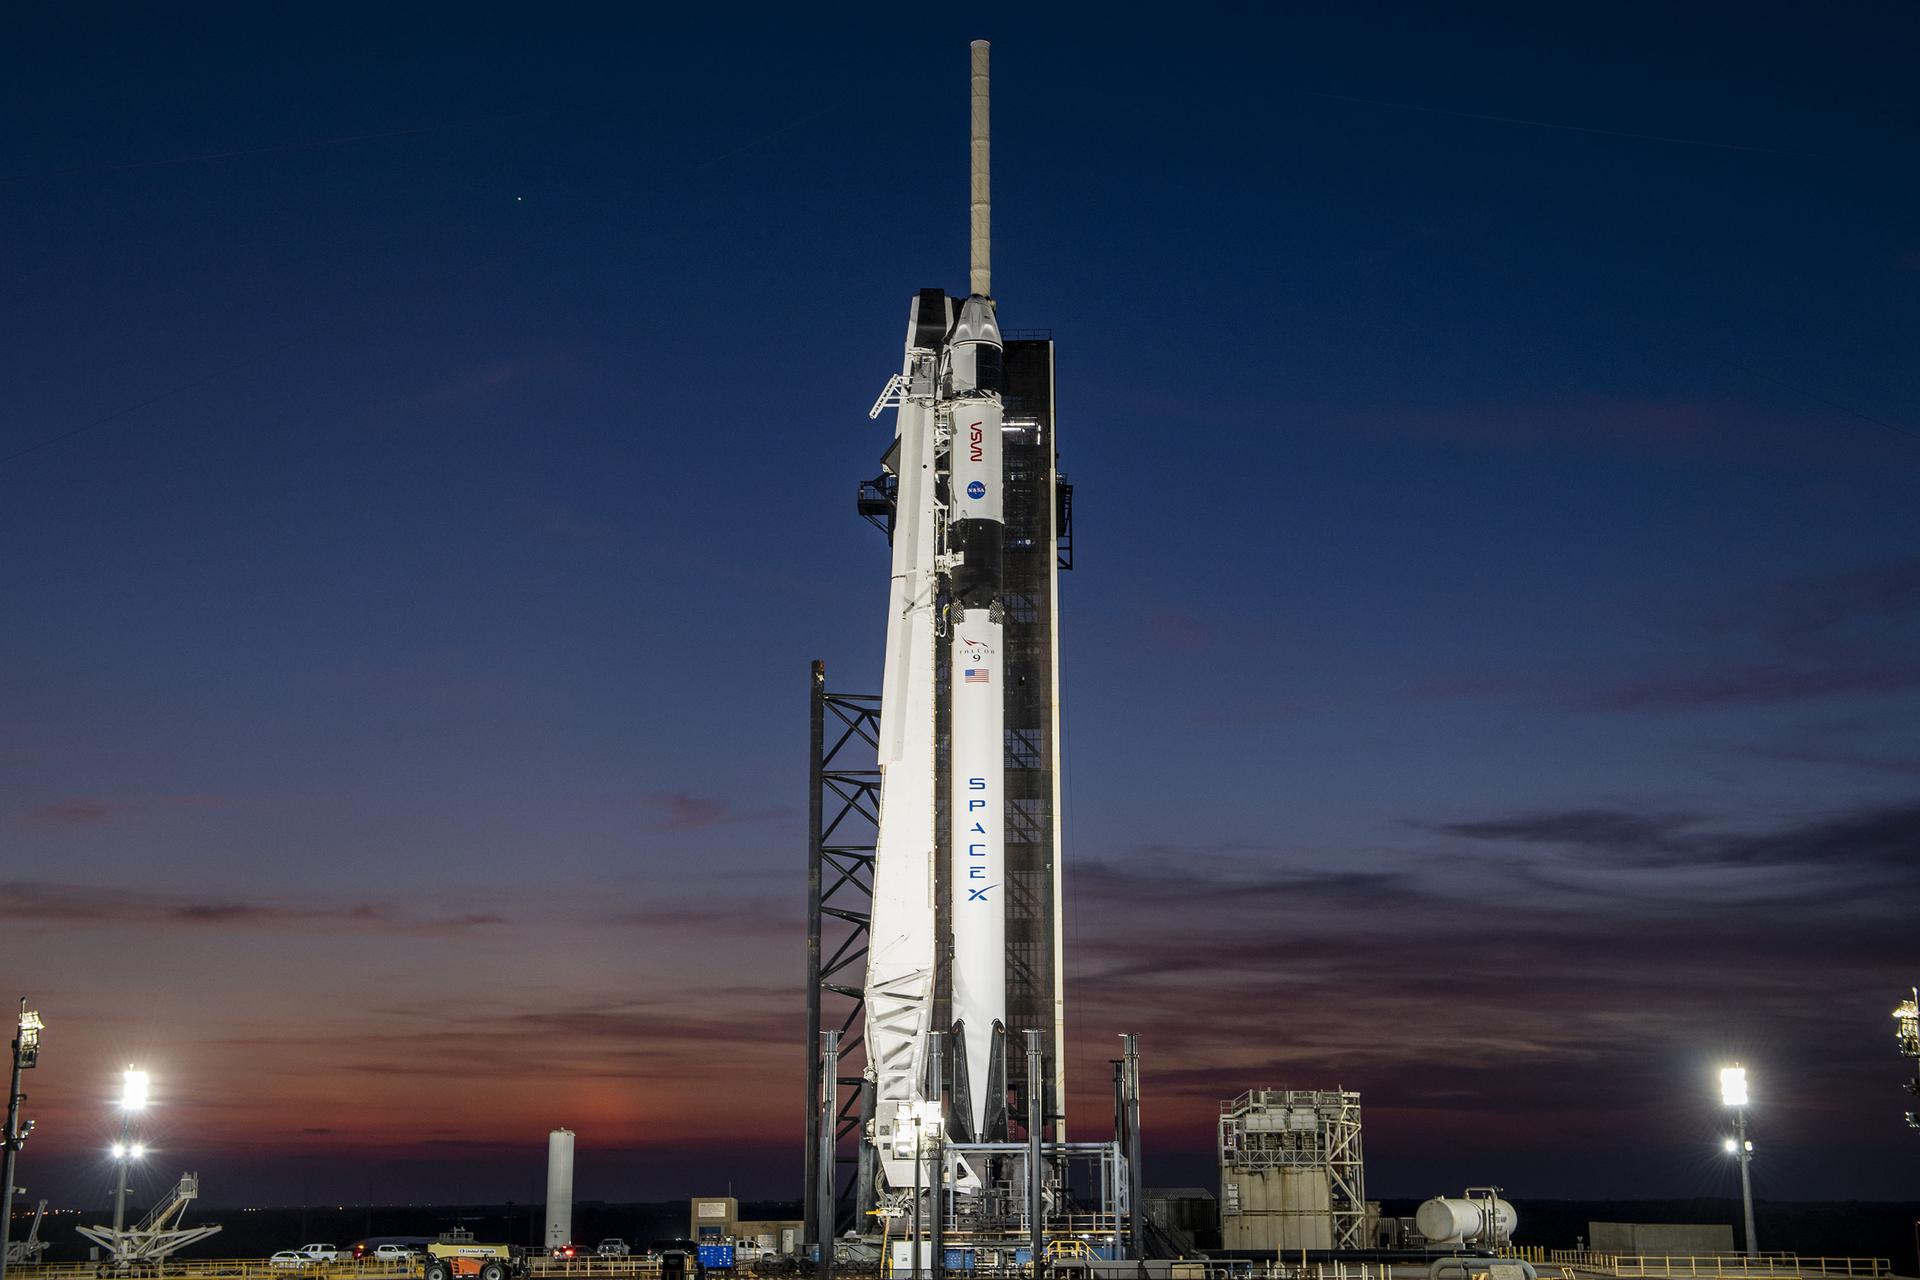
(1446, 1220)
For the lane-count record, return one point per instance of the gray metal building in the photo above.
(1291, 1171)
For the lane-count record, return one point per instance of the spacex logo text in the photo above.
(977, 870)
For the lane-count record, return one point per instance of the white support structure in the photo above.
(140, 1249)
(29, 1252)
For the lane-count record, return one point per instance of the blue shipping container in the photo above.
(716, 1257)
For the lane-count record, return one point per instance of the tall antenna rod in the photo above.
(982, 271)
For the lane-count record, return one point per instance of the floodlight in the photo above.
(133, 1095)
(119, 1150)
(137, 1151)
(26, 1046)
(1733, 1086)
(1732, 1146)
(1906, 1020)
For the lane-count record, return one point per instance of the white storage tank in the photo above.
(559, 1188)
(1460, 1220)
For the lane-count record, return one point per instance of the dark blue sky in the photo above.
(1491, 657)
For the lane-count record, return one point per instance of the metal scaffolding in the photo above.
(843, 818)
(142, 1250)
(1291, 1170)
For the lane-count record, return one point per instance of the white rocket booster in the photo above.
(900, 937)
(977, 796)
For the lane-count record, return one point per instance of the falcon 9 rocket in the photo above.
(938, 936)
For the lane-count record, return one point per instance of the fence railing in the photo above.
(634, 1267)
(1720, 1266)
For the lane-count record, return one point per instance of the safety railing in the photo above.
(1720, 1266)
(229, 1268)
(633, 1267)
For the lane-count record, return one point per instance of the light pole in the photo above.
(133, 1098)
(916, 1193)
(1733, 1093)
(1906, 1034)
(26, 1053)
(927, 1123)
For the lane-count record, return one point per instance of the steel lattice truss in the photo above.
(845, 817)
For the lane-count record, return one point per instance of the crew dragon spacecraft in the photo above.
(964, 936)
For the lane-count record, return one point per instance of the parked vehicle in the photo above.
(613, 1248)
(457, 1254)
(679, 1259)
(291, 1259)
(319, 1252)
(394, 1252)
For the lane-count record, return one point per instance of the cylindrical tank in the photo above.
(1446, 1219)
(559, 1187)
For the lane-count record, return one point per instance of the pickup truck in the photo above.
(319, 1252)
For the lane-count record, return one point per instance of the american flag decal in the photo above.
(977, 675)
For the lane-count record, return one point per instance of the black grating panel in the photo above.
(1032, 755)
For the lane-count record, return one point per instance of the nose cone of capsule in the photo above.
(976, 323)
